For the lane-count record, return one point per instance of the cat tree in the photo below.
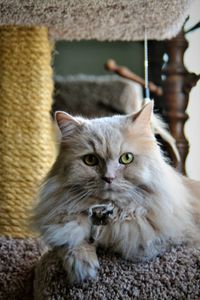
(27, 148)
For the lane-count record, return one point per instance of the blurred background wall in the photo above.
(89, 57)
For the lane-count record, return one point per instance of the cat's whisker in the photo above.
(67, 204)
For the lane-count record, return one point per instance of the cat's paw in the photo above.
(81, 263)
(101, 214)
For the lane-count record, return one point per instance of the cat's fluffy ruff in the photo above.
(153, 204)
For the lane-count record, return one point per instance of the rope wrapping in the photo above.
(26, 139)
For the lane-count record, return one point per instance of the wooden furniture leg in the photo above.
(177, 83)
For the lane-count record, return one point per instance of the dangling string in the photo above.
(146, 65)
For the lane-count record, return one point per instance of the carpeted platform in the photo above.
(174, 275)
(102, 20)
(17, 260)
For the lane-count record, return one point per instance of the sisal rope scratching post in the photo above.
(26, 142)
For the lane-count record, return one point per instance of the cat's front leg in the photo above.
(80, 262)
(71, 238)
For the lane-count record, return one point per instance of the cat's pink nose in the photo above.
(108, 179)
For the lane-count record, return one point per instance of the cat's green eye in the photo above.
(126, 158)
(91, 160)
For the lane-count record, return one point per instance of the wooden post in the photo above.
(177, 83)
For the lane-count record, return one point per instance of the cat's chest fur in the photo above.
(130, 233)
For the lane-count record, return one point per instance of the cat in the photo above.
(111, 187)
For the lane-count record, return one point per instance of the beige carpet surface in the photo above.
(102, 20)
(174, 275)
(17, 261)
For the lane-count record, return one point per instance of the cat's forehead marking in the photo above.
(105, 138)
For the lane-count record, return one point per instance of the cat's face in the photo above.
(110, 158)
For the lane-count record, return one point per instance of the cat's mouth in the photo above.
(110, 191)
(112, 188)
(108, 188)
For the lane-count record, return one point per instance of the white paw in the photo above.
(80, 266)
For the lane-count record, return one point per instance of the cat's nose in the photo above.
(108, 179)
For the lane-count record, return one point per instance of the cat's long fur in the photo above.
(152, 202)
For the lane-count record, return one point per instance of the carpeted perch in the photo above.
(17, 261)
(174, 275)
(101, 20)
(26, 147)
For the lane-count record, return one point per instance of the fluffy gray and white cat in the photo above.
(110, 186)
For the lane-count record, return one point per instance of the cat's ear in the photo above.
(66, 123)
(142, 118)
